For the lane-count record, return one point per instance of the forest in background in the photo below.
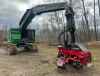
(87, 16)
(87, 20)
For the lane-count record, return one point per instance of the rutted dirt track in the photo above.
(43, 64)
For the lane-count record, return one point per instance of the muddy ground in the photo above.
(43, 63)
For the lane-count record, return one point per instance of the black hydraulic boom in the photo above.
(45, 8)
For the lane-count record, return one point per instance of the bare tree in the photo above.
(95, 27)
(99, 6)
(86, 20)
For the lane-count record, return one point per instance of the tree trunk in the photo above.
(95, 27)
(86, 20)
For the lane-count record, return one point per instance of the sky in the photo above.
(11, 11)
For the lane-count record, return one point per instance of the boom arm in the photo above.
(45, 8)
(31, 13)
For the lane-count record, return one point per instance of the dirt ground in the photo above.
(43, 63)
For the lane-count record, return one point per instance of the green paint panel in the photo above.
(14, 36)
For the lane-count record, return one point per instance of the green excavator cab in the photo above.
(14, 35)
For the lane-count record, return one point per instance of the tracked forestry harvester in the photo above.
(68, 52)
